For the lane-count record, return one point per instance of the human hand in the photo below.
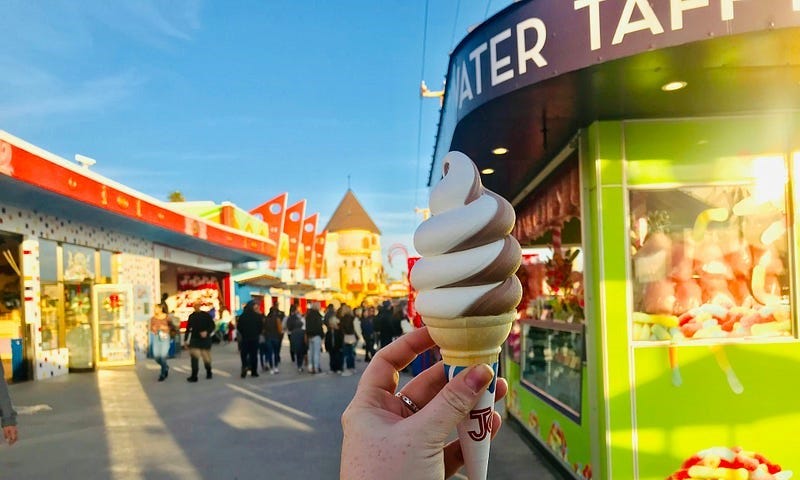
(10, 434)
(384, 438)
(203, 334)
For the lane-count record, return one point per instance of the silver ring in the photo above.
(409, 403)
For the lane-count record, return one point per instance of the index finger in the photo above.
(382, 371)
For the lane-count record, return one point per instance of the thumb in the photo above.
(454, 402)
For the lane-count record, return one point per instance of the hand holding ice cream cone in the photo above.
(400, 434)
(468, 291)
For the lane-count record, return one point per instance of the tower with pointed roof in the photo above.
(353, 259)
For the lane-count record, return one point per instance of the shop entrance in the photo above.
(14, 336)
(183, 286)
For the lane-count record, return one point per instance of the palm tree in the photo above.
(176, 196)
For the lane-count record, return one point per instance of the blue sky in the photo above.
(239, 100)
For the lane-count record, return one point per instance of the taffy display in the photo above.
(730, 464)
(719, 273)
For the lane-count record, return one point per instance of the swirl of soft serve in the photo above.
(468, 259)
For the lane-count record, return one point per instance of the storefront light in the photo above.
(500, 151)
(672, 86)
(487, 171)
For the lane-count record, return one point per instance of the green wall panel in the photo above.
(673, 423)
(542, 420)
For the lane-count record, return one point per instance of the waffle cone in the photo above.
(466, 341)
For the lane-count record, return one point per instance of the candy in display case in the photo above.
(710, 262)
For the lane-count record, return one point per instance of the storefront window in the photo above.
(552, 365)
(106, 273)
(79, 263)
(712, 262)
(52, 337)
(48, 261)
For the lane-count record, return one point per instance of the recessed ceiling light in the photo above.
(500, 151)
(672, 86)
(487, 171)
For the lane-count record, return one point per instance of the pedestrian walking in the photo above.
(273, 331)
(231, 330)
(250, 326)
(160, 339)
(349, 338)
(368, 333)
(8, 416)
(315, 333)
(297, 336)
(225, 318)
(199, 329)
(334, 339)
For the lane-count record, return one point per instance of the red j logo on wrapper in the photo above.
(484, 419)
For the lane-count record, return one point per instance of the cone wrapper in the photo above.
(475, 432)
(464, 342)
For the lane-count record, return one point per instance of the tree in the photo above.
(176, 196)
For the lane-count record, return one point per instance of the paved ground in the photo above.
(121, 424)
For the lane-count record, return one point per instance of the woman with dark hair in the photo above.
(349, 338)
(249, 326)
(273, 334)
(297, 336)
(334, 338)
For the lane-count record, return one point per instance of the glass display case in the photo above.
(552, 363)
(712, 262)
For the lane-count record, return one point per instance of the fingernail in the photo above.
(479, 377)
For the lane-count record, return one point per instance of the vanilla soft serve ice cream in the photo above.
(468, 290)
(468, 259)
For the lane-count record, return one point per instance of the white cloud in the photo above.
(151, 22)
(48, 96)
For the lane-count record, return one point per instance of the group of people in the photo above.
(338, 331)
(199, 335)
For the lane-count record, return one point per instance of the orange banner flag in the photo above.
(319, 253)
(293, 226)
(307, 238)
(273, 212)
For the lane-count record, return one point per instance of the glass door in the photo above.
(113, 324)
(78, 325)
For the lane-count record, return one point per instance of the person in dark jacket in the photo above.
(349, 337)
(397, 321)
(200, 327)
(383, 324)
(250, 326)
(273, 334)
(315, 334)
(297, 336)
(334, 339)
(368, 332)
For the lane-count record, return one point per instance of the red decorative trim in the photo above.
(47, 175)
